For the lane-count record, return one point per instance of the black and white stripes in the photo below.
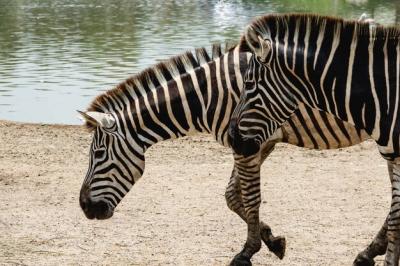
(182, 96)
(190, 93)
(346, 68)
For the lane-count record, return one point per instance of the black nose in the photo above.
(84, 198)
(99, 209)
(85, 203)
(87, 206)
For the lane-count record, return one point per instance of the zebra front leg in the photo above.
(393, 230)
(379, 244)
(276, 245)
(248, 170)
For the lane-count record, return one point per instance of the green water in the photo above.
(55, 56)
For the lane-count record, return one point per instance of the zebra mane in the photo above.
(268, 24)
(148, 79)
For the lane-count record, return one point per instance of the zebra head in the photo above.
(250, 125)
(114, 165)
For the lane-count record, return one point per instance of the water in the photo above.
(56, 55)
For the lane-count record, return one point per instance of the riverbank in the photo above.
(328, 204)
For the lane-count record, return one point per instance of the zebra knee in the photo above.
(231, 193)
(230, 199)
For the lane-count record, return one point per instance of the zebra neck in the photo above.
(170, 111)
(199, 101)
(319, 64)
(224, 81)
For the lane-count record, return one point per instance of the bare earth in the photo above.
(328, 204)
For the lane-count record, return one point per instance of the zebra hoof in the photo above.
(277, 245)
(240, 260)
(363, 260)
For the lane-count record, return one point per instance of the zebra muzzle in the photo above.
(95, 209)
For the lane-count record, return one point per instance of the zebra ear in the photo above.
(105, 120)
(365, 19)
(260, 46)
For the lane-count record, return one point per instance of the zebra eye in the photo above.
(99, 154)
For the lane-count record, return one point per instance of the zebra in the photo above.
(346, 68)
(189, 93)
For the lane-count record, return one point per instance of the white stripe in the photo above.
(219, 95)
(319, 41)
(335, 44)
(196, 85)
(248, 56)
(363, 114)
(396, 107)
(206, 68)
(385, 57)
(333, 93)
(353, 48)
(376, 130)
(285, 46)
(238, 74)
(296, 36)
(306, 41)
(227, 94)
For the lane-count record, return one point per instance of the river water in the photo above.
(57, 55)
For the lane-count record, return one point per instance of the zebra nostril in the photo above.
(84, 200)
(84, 195)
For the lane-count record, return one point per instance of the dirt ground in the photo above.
(328, 204)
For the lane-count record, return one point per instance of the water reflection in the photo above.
(57, 55)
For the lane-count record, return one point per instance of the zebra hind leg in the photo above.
(276, 244)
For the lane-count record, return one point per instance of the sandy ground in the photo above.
(328, 204)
